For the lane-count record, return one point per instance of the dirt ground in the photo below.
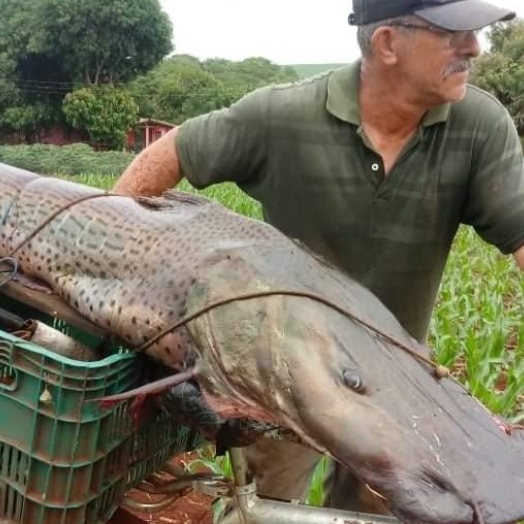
(191, 508)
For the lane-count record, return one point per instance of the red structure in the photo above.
(58, 135)
(147, 131)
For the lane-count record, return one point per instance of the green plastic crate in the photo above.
(63, 459)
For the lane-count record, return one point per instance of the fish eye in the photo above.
(353, 380)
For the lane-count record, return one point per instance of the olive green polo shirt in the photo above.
(300, 150)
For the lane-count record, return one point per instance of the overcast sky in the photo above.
(284, 31)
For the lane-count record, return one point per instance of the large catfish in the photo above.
(336, 367)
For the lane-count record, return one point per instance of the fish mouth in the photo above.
(411, 489)
(423, 497)
(380, 452)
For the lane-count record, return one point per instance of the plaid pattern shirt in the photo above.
(300, 150)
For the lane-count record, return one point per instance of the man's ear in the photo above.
(385, 43)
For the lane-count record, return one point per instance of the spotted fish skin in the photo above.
(124, 264)
(136, 267)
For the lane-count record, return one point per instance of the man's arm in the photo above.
(153, 171)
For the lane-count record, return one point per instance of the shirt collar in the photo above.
(343, 98)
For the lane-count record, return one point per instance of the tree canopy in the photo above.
(105, 113)
(50, 47)
(182, 86)
(501, 70)
(91, 63)
(100, 41)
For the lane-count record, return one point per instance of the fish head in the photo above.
(331, 363)
(298, 364)
(343, 385)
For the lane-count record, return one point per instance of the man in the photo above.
(374, 166)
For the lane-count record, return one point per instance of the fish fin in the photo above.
(171, 198)
(185, 197)
(152, 388)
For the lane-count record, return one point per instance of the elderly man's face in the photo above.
(437, 62)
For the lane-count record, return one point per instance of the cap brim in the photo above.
(465, 15)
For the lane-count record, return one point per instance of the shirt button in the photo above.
(375, 167)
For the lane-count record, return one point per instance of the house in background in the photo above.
(146, 132)
(143, 133)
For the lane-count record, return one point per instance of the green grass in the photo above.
(67, 160)
(477, 327)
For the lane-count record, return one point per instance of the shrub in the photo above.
(105, 113)
(74, 159)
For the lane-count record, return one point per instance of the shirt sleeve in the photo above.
(495, 203)
(226, 145)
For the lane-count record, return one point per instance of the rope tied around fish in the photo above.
(10, 272)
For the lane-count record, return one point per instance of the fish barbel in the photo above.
(338, 370)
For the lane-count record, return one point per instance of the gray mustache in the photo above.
(458, 67)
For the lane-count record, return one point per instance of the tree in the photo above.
(250, 73)
(209, 99)
(22, 107)
(501, 70)
(100, 41)
(105, 113)
(182, 86)
(27, 119)
(8, 91)
(50, 47)
(163, 92)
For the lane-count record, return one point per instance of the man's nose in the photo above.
(469, 45)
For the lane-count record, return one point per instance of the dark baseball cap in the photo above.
(455, 15)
